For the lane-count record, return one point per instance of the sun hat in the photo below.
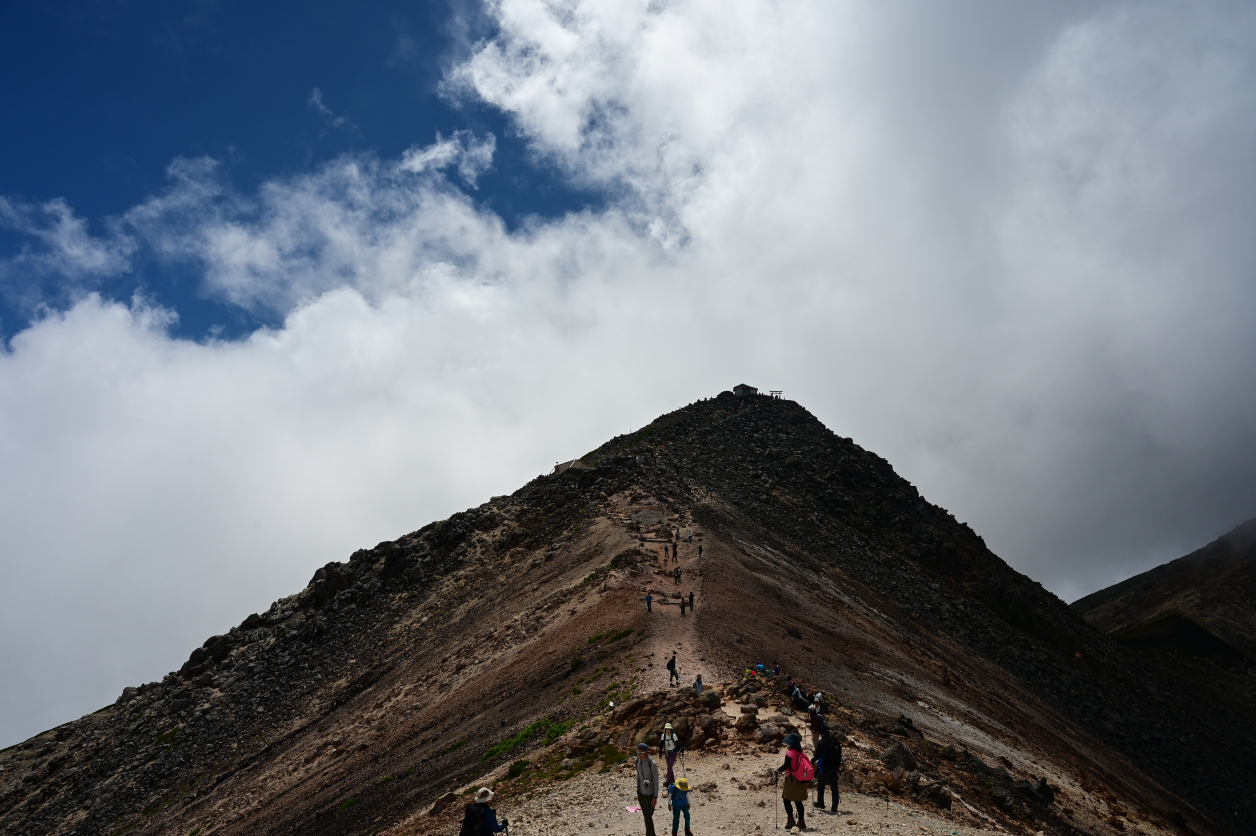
(682, 784)
(792, 740)
(484, 796)
(667, 725)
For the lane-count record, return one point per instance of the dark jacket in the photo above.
(829, 755)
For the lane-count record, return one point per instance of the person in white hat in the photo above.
(671, 748)
(481, 818)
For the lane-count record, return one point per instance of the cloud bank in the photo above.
(1009, 250)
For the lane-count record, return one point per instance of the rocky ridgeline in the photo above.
(785, 479)
(347, 705)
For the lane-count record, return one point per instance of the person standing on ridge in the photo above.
(671, 670)
(649, 601)
(481, 818)
(682, 606)
(828, 766)
(647, 786)
(670, 744)
(691, 599)
(699, 550)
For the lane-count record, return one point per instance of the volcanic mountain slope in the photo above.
(503, 633)
(1195, 615)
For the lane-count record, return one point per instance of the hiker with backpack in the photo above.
(647, 786)
(670, 744)
(798, 776)
(649, 602)
(678, 802)
(672, 673)
(828, 766)
(481, 819)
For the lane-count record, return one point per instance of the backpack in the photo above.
(473, 821)
(801, 769)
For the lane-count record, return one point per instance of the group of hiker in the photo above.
(799, 772)
(673, 675)
(685, 601)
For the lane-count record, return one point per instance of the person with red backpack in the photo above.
(798, 776)
(480, 819)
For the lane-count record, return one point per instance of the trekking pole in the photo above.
(683, 771)
(776, 807)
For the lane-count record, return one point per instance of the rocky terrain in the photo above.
(1195, 615)
(510, 645)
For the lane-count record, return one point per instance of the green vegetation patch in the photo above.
(551, 728)
(516, 769)
(168, 737)
(346, 804)
(454, 748)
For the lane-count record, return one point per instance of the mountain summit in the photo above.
(511, 644)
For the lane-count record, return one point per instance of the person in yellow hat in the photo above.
(678, 802)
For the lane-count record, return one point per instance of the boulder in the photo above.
(1036, 791)
(898, 755)
(627, 710)
(938, 795)
(442, 803)
(768, 733)
(746, 722)
(710, 699)
(129, 693)
(749, 709)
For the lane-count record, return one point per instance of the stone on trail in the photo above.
(898, 755)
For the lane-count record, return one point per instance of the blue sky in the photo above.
(279, 281)
(100, 97)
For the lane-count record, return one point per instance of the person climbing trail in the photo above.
(647, 786)
(481, 818)
(697, 685)
(649, 602)
(691, 599)
(699, 550)
(682, 606)
(797, 769)
(678, 802)
(828, 766)
(671, 670)
(671, 748)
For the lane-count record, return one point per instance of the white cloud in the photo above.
(1008, 250)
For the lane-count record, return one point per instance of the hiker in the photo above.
(671, 670)
(776, 669)
(815, 719)
(828, 766)
(671, 748)
(690, 538)
(800, 702)
(682, 606)
(647, 786)
(676, 575)
(789, 685)
(691, 599)
(699, 550)
(796, 790)
(821, 703)
(697, 685)
(759, 669)
(678, 802)
(481, 818)
(649, 601)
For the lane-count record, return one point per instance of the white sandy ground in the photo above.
(595, 804)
